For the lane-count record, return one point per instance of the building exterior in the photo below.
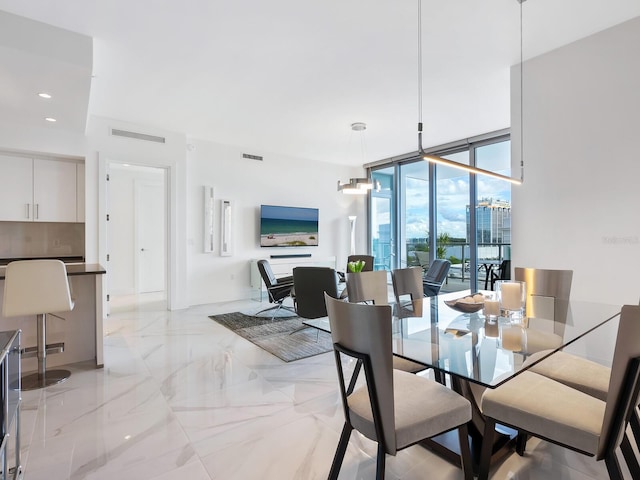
(493, 221)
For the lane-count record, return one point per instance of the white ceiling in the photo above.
(290, 76)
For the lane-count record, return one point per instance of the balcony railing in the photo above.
(458, 254)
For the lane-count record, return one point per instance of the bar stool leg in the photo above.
(43, 377)
(41, 341)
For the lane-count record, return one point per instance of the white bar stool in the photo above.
(38, 287)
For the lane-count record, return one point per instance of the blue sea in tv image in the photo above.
(283, 227)
(276, 232)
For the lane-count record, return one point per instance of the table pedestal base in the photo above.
(447, 445)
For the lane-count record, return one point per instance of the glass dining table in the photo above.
(474, 352)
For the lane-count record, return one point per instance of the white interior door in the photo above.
(150, 223)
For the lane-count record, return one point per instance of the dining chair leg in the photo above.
(521, 443)
(465, 452)
(487, 447)
(380, 463)
(635, 426)
(613, 467)
(340, 451)
(630, 457)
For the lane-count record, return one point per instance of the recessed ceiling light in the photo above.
(44, 95)
(50, 119)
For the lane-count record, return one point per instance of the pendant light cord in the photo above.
(419, 76)
(521, 99)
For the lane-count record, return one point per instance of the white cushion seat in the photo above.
(414, 420)
(576, 372)
(548, 409)
(405, 365)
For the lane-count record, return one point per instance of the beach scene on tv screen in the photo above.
(288, 226)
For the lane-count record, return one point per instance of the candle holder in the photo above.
(512, 296)
(491, 328)
(491, 308)
(513, 337)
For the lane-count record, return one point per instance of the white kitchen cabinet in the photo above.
(54, 191)
(37, 190)
(16, 191)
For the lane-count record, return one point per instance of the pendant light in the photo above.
(359, 186)
(450, 163)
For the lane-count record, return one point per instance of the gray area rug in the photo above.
(275, 336)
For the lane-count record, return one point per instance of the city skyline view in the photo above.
(452, 192)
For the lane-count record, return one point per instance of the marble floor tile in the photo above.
(181, 397)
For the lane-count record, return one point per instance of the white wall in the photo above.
(276, 180)
(577, 208)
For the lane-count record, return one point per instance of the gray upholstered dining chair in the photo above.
(309, 286)
(435, 276)
(548, 293)
(581, 374)
(372, 287)
(407, 281)
(557, 413)
(393, 408)
(584, 375)
(367, 267)
(547, 298)
(368, 287)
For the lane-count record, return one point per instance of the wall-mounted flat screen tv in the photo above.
(288, 226)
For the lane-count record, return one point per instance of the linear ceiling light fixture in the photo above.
(359, 186)
(444, 161)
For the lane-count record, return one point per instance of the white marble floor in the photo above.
(182, 397)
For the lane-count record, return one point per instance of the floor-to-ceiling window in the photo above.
(493, 201)
(413, 220)
(452, 201)
(423, 212)
(382, 219)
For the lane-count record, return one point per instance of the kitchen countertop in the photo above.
(73, 269)
(67, 259)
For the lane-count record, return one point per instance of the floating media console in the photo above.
(291, 255)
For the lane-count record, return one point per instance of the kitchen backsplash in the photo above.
(41, 239)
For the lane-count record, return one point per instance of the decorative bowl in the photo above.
(464, 307)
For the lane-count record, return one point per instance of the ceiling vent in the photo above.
(139, 136)
(252, 157)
